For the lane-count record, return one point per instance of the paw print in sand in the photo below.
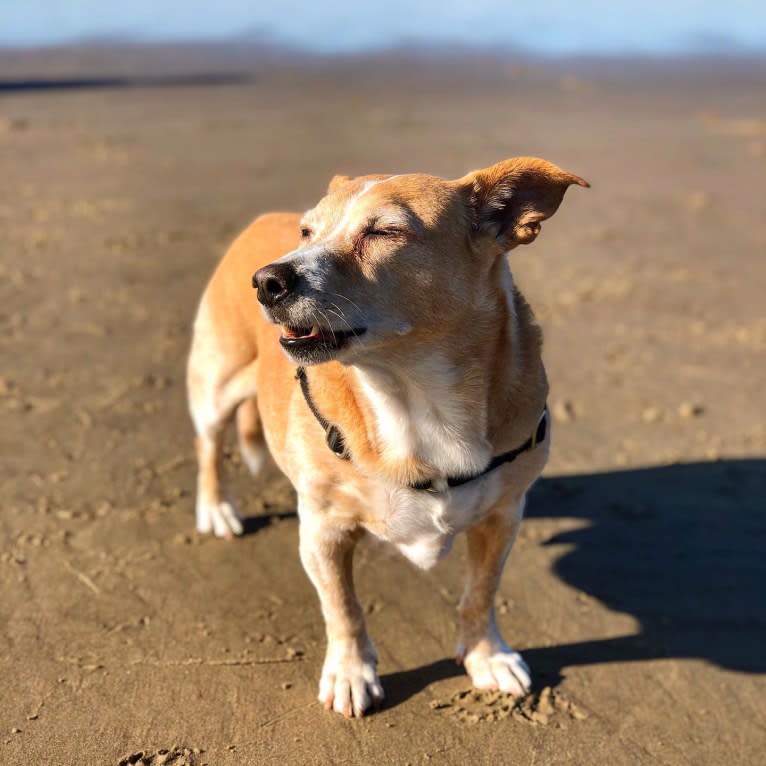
(545, 707)
(175, 756)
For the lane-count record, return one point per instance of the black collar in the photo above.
(335, 442)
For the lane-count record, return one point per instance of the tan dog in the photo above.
(421, 413)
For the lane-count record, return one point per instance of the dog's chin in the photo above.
(314, 345)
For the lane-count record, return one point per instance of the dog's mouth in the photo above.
(298, 339)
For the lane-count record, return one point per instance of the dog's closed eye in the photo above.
(384, 231)
(377, 233)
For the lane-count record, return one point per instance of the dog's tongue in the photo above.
(308, 333)
(293, 333)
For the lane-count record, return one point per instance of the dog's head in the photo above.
(382, 257)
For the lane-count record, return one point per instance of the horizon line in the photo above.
(413, 44)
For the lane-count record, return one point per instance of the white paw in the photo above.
(499, 668)
(350, 683)
(221, 519)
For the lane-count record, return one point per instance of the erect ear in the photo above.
(336, 182)
(507, 201)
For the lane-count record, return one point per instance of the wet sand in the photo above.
(636, 590)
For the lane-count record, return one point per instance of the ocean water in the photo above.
(548, 27)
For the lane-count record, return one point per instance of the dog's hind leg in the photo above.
(252, 444)
(220, 377)
(490, 662)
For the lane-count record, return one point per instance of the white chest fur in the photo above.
(423, 413)
(422, 524)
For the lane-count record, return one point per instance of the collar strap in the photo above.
(333, 436)
(336, 443)
(506, 457)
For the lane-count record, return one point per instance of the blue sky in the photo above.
(543, 26)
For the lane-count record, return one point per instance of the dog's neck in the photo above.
(428, 411)
(443, 407)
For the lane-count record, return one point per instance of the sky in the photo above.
(548, 27)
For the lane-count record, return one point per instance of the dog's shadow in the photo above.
(251, 525)
(680, 548)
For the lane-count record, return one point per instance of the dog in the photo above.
(393, 372)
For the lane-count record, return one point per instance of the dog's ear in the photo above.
(336, 182)
(507, 201)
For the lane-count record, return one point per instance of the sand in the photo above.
(636, 590)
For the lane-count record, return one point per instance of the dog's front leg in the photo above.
(349, 683)
(490, 662)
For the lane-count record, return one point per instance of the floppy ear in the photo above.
(336, 182)
(507, 201)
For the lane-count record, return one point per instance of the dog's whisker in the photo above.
(338, 309)
(329, 325)
(343, 297)
(343, 319)
(338, 313)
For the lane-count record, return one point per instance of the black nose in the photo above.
(274, 282)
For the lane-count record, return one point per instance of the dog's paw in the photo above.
(350, 683)
(221, 519)
(498, 668)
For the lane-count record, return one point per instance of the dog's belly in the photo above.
(422, 524)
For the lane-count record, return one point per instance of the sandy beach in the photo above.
(636, 590)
